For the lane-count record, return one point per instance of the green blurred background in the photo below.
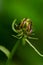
(11, 9)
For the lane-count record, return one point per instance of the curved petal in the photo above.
(34, 48)
(13, 28)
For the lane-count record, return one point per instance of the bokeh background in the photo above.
(11, 9)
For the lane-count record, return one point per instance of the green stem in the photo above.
(15, 48)
(23, 40)
(12, 53)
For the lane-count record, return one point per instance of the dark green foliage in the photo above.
(18, 9)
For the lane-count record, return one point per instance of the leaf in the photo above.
(5, 51)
